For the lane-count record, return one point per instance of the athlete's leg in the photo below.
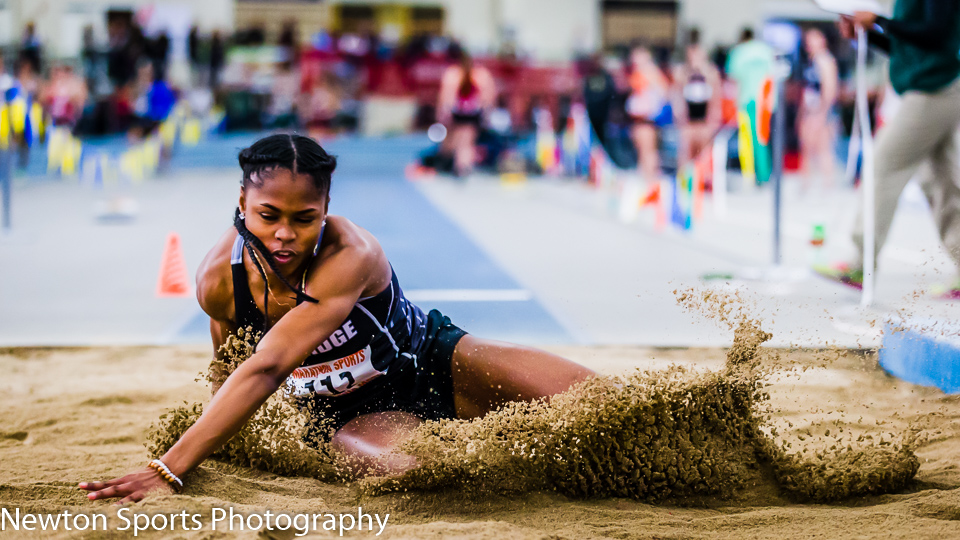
(806, 151)
(686, 151)
(922, 123)
(369, 443)
(824, 147)
(487, 374)
(940, 180)
(465, 140)
(645, 140)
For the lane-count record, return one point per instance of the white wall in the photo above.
(60, 22)
(554, 29)
(473, 23)
(547, 30)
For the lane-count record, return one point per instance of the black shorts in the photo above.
(423, 388)
(696, 112)
(472, 119)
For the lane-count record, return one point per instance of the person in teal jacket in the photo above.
(923, 41)
(750, 64)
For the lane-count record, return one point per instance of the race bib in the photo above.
(335, 377)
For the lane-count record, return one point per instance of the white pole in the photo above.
(869, 202)
(720, 147)
(853, 149)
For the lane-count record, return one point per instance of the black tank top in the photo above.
(382, 334)
(697, 94)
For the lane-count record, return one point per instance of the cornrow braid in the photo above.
(253, 244)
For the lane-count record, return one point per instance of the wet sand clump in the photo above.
(670, 435)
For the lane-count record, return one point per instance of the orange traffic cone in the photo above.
(174, 279)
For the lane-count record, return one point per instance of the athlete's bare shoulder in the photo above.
(215, 280)
(347, 242)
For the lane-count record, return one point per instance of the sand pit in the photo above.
(81, 414)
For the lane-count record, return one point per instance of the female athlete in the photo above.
(467, 92)
(339, 332)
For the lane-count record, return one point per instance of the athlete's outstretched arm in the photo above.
(341, 280)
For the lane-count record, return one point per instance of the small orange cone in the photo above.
(174, 279)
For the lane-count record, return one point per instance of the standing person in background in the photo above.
(648, 97)
(599, 90)
(6, 80)
(319, 105)
(26, 87)
(289, 41)
(194, 53)
(217, 59)
(749, 65)
(30, 48)
(64, 97)
(922, 38)
(466, 92)
(817, 122)
(159, 51)
(698, 84)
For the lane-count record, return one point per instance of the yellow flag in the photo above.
(745, 140)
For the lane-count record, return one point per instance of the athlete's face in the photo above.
(286, 212)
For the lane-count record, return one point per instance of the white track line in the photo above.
(468, 295)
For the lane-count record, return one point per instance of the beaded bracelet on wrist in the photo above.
(166, 474)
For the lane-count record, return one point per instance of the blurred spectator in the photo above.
(647, 99)
(599, 91)
(89, 56)
(466, 92)
(155, 99)
(27, 86)
(499, 121)
(217, 59)
(31, 49)
(289, 41)
(64, 97)
(817, 121)
(27, 80)
(6, 80)
(193, 48)
(698, 85)
(159, 50)
(282, 111)
(319, 105)
(125, 48)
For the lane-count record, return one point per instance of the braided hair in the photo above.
(299, 155)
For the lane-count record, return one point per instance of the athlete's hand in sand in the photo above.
(131, 488)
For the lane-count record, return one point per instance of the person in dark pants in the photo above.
(923, 40)
(30, 48)
(217, 59)
(599, 90)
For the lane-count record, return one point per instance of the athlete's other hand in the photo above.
(130, 488)
(865, 19)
